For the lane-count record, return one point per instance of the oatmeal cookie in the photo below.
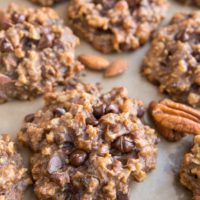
(46, 2)
(173, 61)
(36, 52)
(88, 145)
(190, 170)
(13, 176)
(115, 25)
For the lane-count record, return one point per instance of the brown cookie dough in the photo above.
(173, 61)
(190, 170)
(88, 145)
(36, 52)
(13, 176)
(46, 2)
(116, 25)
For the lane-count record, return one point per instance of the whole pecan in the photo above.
(174, 120)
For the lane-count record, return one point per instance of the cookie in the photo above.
(88, 145)
(13, 175)
(46, 2)
(36, 53)
(190, 170)
(173, 62)
(114, 25)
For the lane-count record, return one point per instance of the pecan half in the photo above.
(174, 120)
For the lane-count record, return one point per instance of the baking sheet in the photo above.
(162, 183)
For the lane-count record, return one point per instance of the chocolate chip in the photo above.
(46, 41)
(112, 108)
(58, 112)
(68, 147)
(99, 110)
(157, 140)
(55, 163)
(29, 118)
(133, 3)
(122, 196)
(77, 158)
(140, 112)
(5, 45)
(182, 36)
(17, 18)
(124, 144)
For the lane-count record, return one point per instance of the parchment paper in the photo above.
(162, 183)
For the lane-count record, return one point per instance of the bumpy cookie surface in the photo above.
(36, 52)
(46, 2)
(13, 176)
(173, 61)
(88, 145)
(190, 170)
(116, 25)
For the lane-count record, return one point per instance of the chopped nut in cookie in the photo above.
(88, 145)
(14, 179)
(36, 53)
(174, 120)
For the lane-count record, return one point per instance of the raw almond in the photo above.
(93, 62)
(115, 68)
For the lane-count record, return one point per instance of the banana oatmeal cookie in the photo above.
(36, 52)
(190, 170)
(116, 25)
(13, 176)
(173, 61)
(88, 145)
(46, 2)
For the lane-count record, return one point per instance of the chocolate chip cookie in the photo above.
(173, 60)
(46, 2)
(88, 145)
(13, 176)
(190, 170)
(116, 25)
(36, 52)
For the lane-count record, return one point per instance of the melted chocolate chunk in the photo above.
(77, 158)
(29, 118)
(124, 144)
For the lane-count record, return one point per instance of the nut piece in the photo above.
(93, 62)
(173, 120)
(117, 67)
